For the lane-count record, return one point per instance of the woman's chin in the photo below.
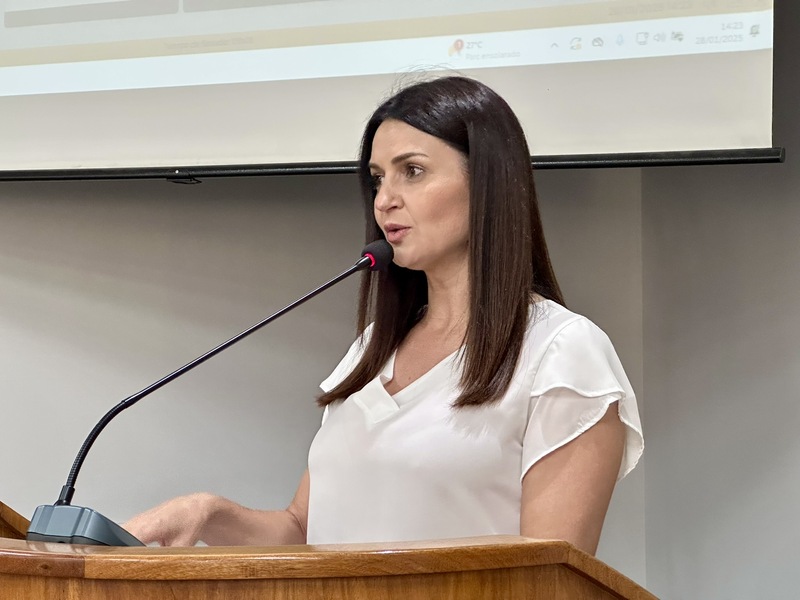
(403, 259)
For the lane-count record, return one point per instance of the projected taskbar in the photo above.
(653, 38)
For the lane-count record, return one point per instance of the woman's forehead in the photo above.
(395, 139)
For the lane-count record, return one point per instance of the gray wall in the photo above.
(593, 225)
(722, 365)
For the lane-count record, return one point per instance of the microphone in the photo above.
(64, 523)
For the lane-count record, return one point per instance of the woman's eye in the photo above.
(376, 180)
(413, 170)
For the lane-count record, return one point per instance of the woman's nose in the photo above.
(386, 197)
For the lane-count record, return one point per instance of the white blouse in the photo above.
(409, 466)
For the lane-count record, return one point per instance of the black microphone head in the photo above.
(380, 252)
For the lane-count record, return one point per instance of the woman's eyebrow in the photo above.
(400, 158)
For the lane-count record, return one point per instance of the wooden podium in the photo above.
(507, 567)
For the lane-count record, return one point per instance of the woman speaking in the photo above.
(472, 401)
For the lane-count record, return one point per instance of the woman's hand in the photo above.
(217, 521)
(176, 522)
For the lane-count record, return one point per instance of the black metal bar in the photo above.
(662, 159)
(568, 161)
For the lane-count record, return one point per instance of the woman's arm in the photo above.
(185, 520)
(565, 495)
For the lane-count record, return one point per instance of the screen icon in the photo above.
(456, 48)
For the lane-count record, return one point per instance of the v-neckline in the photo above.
(387, 375)
(378, 404)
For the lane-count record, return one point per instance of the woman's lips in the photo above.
(396, 234)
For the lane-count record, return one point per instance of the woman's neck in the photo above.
(448, 300)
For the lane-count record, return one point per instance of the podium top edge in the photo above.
(489, 553)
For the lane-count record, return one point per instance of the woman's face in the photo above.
(422, 197)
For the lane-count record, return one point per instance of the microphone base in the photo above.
(67, 524)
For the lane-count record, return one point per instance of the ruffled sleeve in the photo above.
(578, 378)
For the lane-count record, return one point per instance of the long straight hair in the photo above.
(508, 258)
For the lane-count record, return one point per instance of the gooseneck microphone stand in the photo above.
(62, 522)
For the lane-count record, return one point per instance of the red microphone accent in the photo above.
(371, 258)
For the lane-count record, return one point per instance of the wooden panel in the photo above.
(591, 569)
(547, 582)
(324, 561)
(38, 559)
(12, 524)
(489, 567)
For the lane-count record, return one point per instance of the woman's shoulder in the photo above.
(348, 362)
(564, 346)
(548, 319)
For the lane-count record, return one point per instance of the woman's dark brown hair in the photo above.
(508, 258)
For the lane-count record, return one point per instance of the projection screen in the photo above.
(104, 84)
